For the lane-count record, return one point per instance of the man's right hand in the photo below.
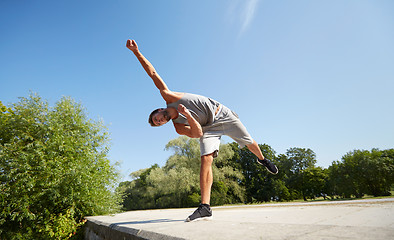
(132, 45)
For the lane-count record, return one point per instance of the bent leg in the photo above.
(206, 178)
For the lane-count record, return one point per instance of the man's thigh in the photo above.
(210, 143)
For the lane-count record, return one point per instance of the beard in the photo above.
(166, 115)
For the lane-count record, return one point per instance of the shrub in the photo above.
(54, 169)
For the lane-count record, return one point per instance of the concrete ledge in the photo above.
(97, 230)
(357, 219)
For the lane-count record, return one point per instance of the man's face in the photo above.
(161, 117)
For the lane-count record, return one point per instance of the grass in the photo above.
(320, 199)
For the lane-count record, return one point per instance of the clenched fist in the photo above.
(132, 45)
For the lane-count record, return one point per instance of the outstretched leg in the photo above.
(255, 149)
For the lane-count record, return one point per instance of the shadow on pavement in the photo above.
(147, 221)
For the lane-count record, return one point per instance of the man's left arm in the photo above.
(194, 130)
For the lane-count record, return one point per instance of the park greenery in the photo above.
(54, 171)
(239, 179)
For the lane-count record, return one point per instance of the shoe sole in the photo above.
(200, 219)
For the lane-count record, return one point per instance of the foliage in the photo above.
(239, 179)
(362, 172)
(54, 169)
(296, 164)
(313, 179)
(257, 182)
(177, 183)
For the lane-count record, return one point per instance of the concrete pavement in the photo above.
(357, 219)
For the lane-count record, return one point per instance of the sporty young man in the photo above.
(199, 117)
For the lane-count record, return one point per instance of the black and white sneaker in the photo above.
(203, 212)
(268, 165)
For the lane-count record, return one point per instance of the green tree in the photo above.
(363, 172)
(294, 163)
(258, 183)
(340, 182)
(135, 193)
(54, 169)
(287, 176)
(314, 179)
(300, 159)
(177, 183)
(280, 190)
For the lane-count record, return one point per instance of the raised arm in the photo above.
(150, 70)
(167, 95)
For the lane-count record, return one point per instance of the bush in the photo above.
(54, 169)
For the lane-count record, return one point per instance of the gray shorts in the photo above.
(226, 123)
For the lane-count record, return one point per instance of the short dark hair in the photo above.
(151, 116)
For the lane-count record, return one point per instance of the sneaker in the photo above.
(203, 212)
(268, 165)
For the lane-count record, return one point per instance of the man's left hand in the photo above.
(183, 110)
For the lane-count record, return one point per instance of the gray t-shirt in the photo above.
(201, 108)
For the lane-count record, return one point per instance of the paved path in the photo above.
(357, 219)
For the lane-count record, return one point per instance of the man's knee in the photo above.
(207, 159)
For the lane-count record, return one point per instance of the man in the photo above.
(199, 117)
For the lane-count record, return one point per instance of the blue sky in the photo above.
(310, 74)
